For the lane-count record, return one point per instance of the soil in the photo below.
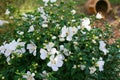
(114, 20)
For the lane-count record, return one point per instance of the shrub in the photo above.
(56, 43)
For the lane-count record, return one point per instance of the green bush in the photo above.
(55, 43)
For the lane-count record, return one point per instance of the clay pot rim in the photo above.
(92, 4)
(108, 5)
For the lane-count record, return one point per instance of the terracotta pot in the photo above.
(94, 6)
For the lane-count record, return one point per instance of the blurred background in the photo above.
(28, 5)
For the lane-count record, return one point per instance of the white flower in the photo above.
(64, 31)
(75, 43)
(99, 16)
(12, 47)
(32, 48)
(44, 75)
(7, 12)
(25, 15)
(74, 66)
(82, 67)
(48, 51)
(29, 76)
(44, 25)
(73, 12)
(2, 49)
(21, 49)
(93, 41)
(3, 22)
(83, 32)
(31, 29)
(100, 64)
(61, 47)
(93, 58)
(71, 32)
(92, 69)
(102, 47)
(20, 32)
(64, 50)
(53, 37)
(53, 51)
(62, 39)
(49, 46)
(73, 20)
(88, 27)
(9, 49)
(68, 33)
(86, 23)
(44, 16)
(41, 10)
(78, 27)
(74, 30)
(8, 59)
(32, 17)
(52, 1)
(44, 54)
(55, 62)
(45, 1)
(69, 38)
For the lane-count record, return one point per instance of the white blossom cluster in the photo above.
(68, 33)
(54, 54)
(56, 59)
(44, 16)
(13, 47)
(29, 76)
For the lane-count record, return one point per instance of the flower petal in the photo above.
(54, 68)
(43, 54)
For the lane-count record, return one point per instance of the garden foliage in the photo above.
(56, 43)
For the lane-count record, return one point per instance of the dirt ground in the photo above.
(114, 20)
